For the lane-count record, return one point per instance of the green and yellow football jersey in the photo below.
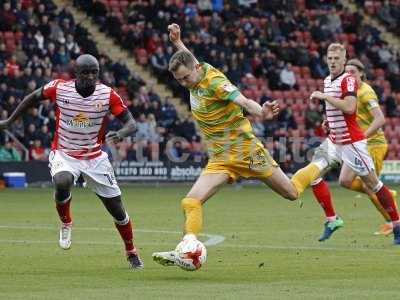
(366, 101)
(221, 121)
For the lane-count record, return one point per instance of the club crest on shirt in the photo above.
(229, 87)
(98, 105)
(194, 102)
(80, 120)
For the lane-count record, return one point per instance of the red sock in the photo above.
(64, 212)
(386, 199)
(126, 233)
(323, 195)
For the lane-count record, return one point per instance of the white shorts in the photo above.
(97, 172)
(354, 155)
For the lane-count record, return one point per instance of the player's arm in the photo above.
(268, 111)
(129, 127)
(348, 105)
(30, 100)
(379, 119)
(175, 38)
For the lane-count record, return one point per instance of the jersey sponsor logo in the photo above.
(80, 120)
(98, 105)
(229, 87)
(358, 162)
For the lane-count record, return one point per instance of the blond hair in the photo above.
(181, 58)
(337, 47)
(359, 65)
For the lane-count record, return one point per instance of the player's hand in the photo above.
(317, 95)
(3, 124)
(174, 33)
(325, 126)
(113, 137)
(270, 109)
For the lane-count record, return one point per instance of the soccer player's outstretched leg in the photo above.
(234, 151)
(81, 108)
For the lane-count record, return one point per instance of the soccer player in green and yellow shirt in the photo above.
(234, 151)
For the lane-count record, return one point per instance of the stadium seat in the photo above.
(8, 35)
(277, 95)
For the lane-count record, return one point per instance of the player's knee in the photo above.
(63, 181)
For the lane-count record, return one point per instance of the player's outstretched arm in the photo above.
(175, 38)
(28, 101)
(268, 111)
(129, 127)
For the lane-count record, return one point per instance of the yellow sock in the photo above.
(357, 185)
(193, 214)
(303, 177)
(379, 207)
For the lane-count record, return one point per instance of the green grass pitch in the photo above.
(270, 249)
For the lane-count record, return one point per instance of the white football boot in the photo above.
(165, 258)
(65, 236)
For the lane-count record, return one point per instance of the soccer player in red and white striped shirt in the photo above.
(81, 107)
(346, 143)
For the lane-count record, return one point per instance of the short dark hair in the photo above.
(181, 58)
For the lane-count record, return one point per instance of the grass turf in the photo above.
(270, 249)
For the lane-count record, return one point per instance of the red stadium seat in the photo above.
(276, 95)
(8, 35)
(352, 38)
(296, 70)
(124, 5)
(26, 3)
(10, 45)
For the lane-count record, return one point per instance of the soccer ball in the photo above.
(191, 254)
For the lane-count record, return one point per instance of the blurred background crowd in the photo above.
(269, 49)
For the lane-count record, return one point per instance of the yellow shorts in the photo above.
(251, 164)
(378, 153)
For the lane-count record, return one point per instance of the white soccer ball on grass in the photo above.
(191, 254)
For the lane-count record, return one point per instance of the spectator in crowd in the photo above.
(287, 77)
(37, 152)
(313, 116)
(8, 152)
(159, 63)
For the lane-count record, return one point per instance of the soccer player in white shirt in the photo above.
(346, 142)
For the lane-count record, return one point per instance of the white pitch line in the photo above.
(212, 239)
(242, 246)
